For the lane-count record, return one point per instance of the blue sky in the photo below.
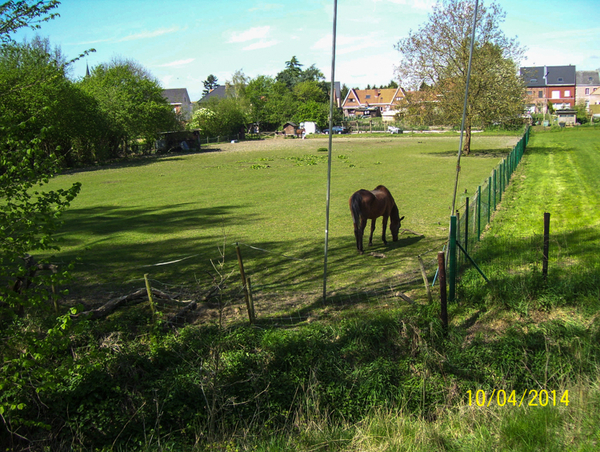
(181, 42)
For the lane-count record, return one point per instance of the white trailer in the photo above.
(309, 127)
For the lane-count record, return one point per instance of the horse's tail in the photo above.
(355, 202)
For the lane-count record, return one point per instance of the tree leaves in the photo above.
(437, 55)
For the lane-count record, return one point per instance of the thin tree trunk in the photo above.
(467, 142)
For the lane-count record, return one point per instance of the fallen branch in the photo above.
(405, 297)
(191, 306)
(412, 232)
(379, 255)
(113, 304)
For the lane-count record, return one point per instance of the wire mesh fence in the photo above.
(477, 211)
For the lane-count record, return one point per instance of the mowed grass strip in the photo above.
(269, 195)
(559, 175)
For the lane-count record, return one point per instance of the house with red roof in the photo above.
(384, 103)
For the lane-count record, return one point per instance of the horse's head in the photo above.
(395, 222)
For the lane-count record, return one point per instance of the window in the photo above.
(560, 79)
(587, 91)
(529, 93)
(555, 94)
(533, 80)
(368, 96)
(540, 94)
(567, 93)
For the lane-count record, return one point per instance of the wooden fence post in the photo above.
(251, 300)
(149, 292)
(425, 280)
(546, 244)
(244, 282)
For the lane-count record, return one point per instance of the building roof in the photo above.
(373, 97)
(177, 96)
(588, 78)
(537, 76)
(219, 92)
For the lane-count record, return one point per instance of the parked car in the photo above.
(337, 129)
(392, 129)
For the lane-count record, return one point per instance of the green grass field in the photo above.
(269, 195)
(360, 373)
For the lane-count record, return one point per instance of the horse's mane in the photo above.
(395, 213)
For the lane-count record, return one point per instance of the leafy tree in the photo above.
(220, 117)
(312, 74)
(29, 216)
(583, 117)
(344, 91)
(259, 94)
(73, 125)
(24, 13)
(236, 87)
(311, 110)
(224, 116)
(310, 91)
(210, 83)
(291, 74)
(437, 54)
(420, 109)
(293, 95)
(132, 100)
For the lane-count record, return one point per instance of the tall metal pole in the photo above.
(464, 115)
(331, 102)
(462, 127)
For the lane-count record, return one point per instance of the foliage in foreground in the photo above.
(112, 386)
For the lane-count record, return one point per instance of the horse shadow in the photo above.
(407, 241)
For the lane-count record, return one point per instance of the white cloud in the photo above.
(424, 5)
(166, 80)
(150, 34)
(373, 69)
(178, 63)
(261, 44)
(267, 7)
(250, 34)
(347, 44)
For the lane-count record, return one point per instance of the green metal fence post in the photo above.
(478, 212)
(495, 189)
(500, 181)
(467, 224)
(489, 218)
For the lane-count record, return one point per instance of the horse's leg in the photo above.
(361, 232)
(372, 229)
(384, 220)
(358, 237)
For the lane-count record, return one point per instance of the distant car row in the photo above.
(337, 129)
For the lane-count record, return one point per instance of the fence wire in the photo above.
(476, 213)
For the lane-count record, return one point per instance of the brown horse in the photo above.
(369, 205)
